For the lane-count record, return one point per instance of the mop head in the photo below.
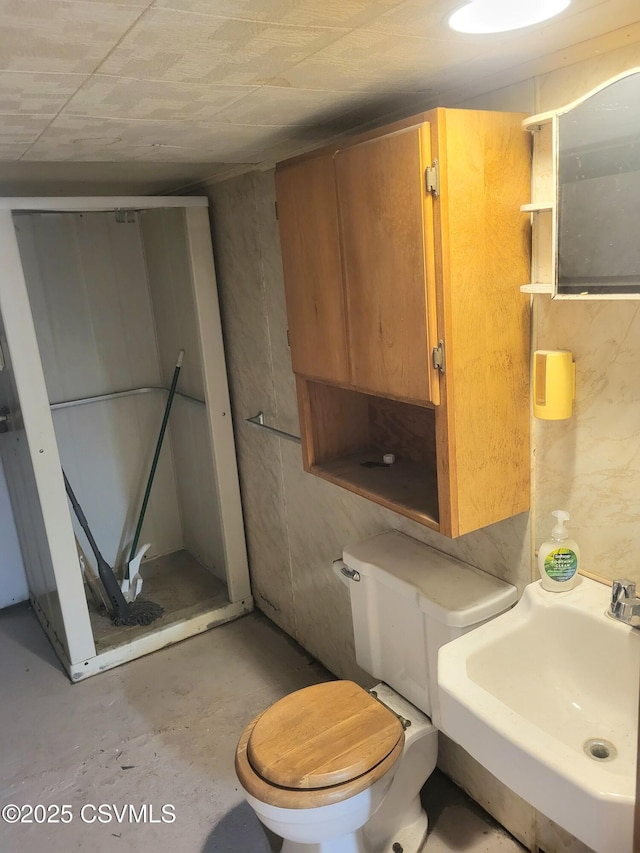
(138, 612)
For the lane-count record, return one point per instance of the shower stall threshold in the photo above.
(194, 601)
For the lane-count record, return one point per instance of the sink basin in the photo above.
(545, 697)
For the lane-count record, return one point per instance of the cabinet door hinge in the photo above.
(288, 339)
(432, 179)
(437, 356)
(275, 204)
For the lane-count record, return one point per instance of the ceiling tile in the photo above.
(229, 143)
(419, 18)
(169, 45)
(251, 157)
(141, 4)
(523, 54)
(584, 19)
(12, 151)
(201, 82)
(127, 98)
(279, 105)
(400, 64)
(429, 20)
(60, 35)
(312, 116)
(21, 91)
(95, 139)
(139, 178)
(300, 13)
(21, 129)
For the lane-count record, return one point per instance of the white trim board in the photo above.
(159, 639)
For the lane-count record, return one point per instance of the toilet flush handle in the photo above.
(344, 572)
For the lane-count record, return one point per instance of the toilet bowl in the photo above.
(333, 768)
(320, 766)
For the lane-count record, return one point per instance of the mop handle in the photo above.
(156, 455)
(81, 517)
(105, 573)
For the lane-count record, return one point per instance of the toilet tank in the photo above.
(409, 600)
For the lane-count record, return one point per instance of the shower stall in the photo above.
(97, 298)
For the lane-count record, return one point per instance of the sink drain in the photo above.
(600, 749)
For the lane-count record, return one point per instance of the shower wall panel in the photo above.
(89, 295)
(27, 512)
(13, 579)
(173, 300)
(32, 467)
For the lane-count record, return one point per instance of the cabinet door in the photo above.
(310, 242)
(387, 239)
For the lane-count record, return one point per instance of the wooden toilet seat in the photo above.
(319, 745)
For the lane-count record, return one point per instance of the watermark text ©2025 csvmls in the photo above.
(89, 813)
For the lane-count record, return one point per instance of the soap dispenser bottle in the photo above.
(559, 557)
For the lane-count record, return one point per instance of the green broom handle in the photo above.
(156, 455)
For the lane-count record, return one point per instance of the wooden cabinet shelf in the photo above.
(345, 431)
(397, 244)
(404, 484)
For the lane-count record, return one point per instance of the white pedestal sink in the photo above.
(545, 697)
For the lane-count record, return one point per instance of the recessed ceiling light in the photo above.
(499, 16)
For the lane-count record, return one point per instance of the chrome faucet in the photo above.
(625, 605)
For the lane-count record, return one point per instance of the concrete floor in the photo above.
(162, 731)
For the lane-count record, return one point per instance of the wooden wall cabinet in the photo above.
(403, 251)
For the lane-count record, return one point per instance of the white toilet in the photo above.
(333, 768)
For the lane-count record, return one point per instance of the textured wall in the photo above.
(297, 524)
(590, 464)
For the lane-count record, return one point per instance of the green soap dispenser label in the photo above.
(561, 564)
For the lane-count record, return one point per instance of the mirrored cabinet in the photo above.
(585, 201)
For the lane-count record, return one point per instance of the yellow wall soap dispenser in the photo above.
(559, 557)
(554, 384)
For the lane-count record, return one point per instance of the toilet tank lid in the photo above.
(448, 590)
